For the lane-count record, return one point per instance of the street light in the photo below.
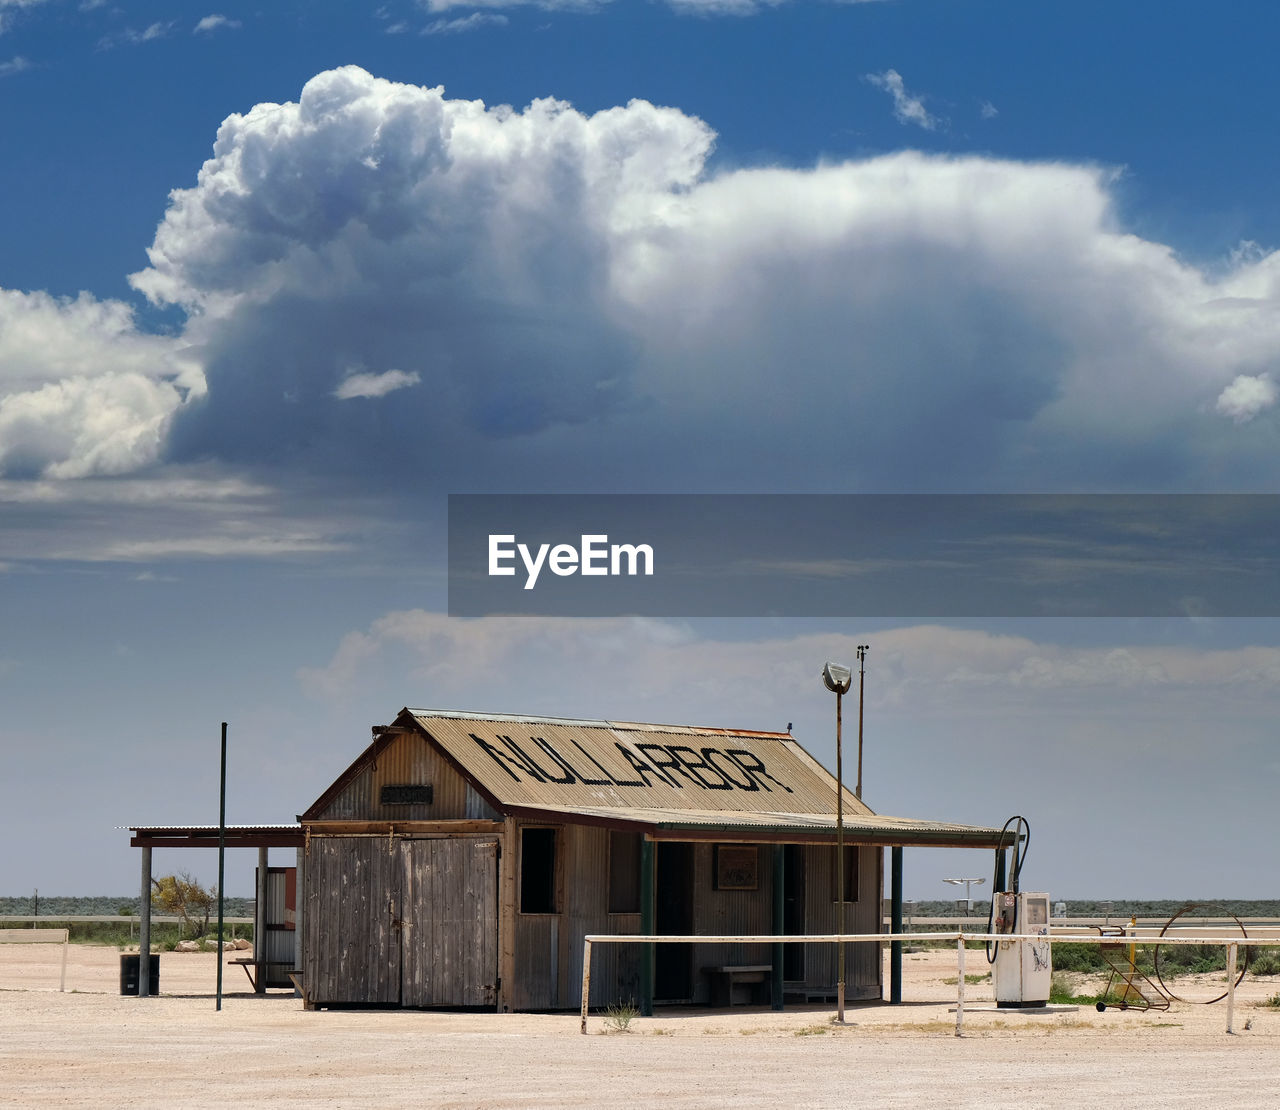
(838, 679)
(968, 902)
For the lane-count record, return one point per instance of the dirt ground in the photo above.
(92, 1047)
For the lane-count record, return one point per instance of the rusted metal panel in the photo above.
(728, 913)
(862, 961)
(541, 761)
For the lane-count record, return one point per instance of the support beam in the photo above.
(895, 909)
(260, 924)
(779, 924)
(648, 851)
(144, 927)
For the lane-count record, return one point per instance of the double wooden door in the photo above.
(401, 921)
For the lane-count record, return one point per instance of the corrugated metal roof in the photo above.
(858, 828)
(582, 765)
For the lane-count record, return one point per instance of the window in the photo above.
(850, 874)
(537, 870)
(624, 872)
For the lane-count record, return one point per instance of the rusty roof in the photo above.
(663, 778)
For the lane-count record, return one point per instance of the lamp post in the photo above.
(838, 679)
(862, 674)
(968, 901)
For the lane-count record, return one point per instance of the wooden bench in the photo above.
(725, 976)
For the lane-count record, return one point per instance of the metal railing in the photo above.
(1232, 945)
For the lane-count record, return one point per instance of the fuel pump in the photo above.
(1021, 970)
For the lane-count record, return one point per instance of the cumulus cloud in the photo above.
(374, 385)
(574, 287)
(215, 22)
(1247, 396)
(82, 391)
(906, 108)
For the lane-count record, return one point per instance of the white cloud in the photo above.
(988, 110)
(8, 7)
(17, 64)
(374, 385)
(906, 108)
(571, 286)
(1247, 396)
(473, 22)
(215, 22)
(81, 390)
(131, 36)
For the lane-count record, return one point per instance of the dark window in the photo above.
(537, 870)
(850, 875)
(624, 872)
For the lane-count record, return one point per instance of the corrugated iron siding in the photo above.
(862, 961)
(720, 771)
(408, 760)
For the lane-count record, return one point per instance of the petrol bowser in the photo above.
(1021, 970)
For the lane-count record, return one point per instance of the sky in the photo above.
(275, 282)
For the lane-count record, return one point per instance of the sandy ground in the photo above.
(92, 1047)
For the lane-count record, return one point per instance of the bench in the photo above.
(724, 977)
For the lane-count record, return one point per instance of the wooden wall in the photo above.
(409, 759)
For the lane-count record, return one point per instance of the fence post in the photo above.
(1231, 984)
(960, 985)
(586, 981)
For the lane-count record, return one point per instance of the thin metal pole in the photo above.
(222, 852)
(779, 925)
(862, 674)
(839, 863)
(960, 987)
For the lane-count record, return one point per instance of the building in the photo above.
(461, 860)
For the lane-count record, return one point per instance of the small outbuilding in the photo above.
(462, 858)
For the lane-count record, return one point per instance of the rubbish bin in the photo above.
(130, 964)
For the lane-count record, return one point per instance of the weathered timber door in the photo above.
(447, 920)
(352, 951)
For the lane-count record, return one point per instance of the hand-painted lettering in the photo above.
(641, 767)
(530, 767)
(668, 760)
(754, 768)
(570, 775)
(608, 780)
(709, 754)
(502, 760)
(693, 764)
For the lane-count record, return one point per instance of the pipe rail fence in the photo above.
(1231, 944)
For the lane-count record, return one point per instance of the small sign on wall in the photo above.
(405, 794)
(737, 867)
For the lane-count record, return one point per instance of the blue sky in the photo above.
(267, 296)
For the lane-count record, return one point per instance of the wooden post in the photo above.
(779, 924)
(586, 982)
(647, 923)
(299, 898)
(66, 943)
(507, 865)
(960, 986)
(144, 927)
(895, 946)
(1231, 984)
(260, 924)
